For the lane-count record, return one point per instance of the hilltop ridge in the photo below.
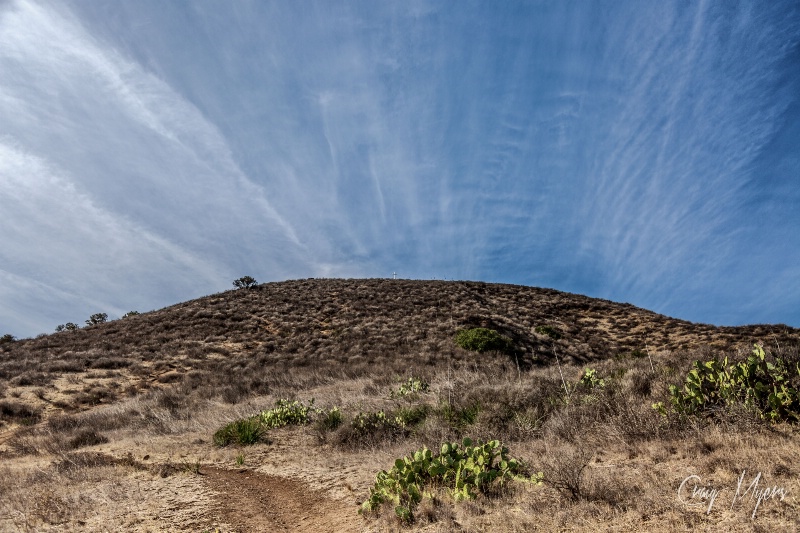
(364, 322)
(279, 316)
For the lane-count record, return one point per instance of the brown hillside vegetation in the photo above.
(110, 427)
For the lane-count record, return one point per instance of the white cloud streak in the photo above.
(594, 148)
(105, 169)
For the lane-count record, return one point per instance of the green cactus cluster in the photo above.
(768, 388)
(288, 413)
(465, 469)
(590, 379)
(251, 430)
(411, 386)
(380, 420)
(368, 422)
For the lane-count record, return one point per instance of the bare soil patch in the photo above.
(249, 501)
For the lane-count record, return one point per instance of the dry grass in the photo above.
(104, 421)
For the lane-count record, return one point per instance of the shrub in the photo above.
(550, 331)
(19, 412)
(130, 314)
(69, 326)
(410, 416)
(244, 432)
(245, 282)
(373, 427)
(465, 470)
(761, 386)
(285, 413)
(459, 417)
(565, 471)
(483, 340)
(30, 379)
(86, 437)
(110, 363)
(97, 318)
(7, 338)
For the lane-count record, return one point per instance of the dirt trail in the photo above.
(250, 501)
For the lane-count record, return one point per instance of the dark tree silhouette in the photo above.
(97, 318)
(246, 282)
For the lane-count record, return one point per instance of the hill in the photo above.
(362, 323)
(89, 397)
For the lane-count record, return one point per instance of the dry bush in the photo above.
(564, 466)
(515, 410)
(86, 437)
(43, 439)
(18, 412)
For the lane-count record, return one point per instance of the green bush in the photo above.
(761, 386)
(483, 340)
(244, 432)
(550, 331)
(464, 470)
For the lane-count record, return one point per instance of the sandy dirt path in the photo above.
(250, 501)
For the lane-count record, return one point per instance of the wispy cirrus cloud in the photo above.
(613, 150)
(106, 170)
(75, 255)
(667, 200)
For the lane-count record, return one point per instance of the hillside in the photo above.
(363, 323)
(142, 396)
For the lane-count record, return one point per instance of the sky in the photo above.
(152, 152)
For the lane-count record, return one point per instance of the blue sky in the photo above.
(644, 152)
